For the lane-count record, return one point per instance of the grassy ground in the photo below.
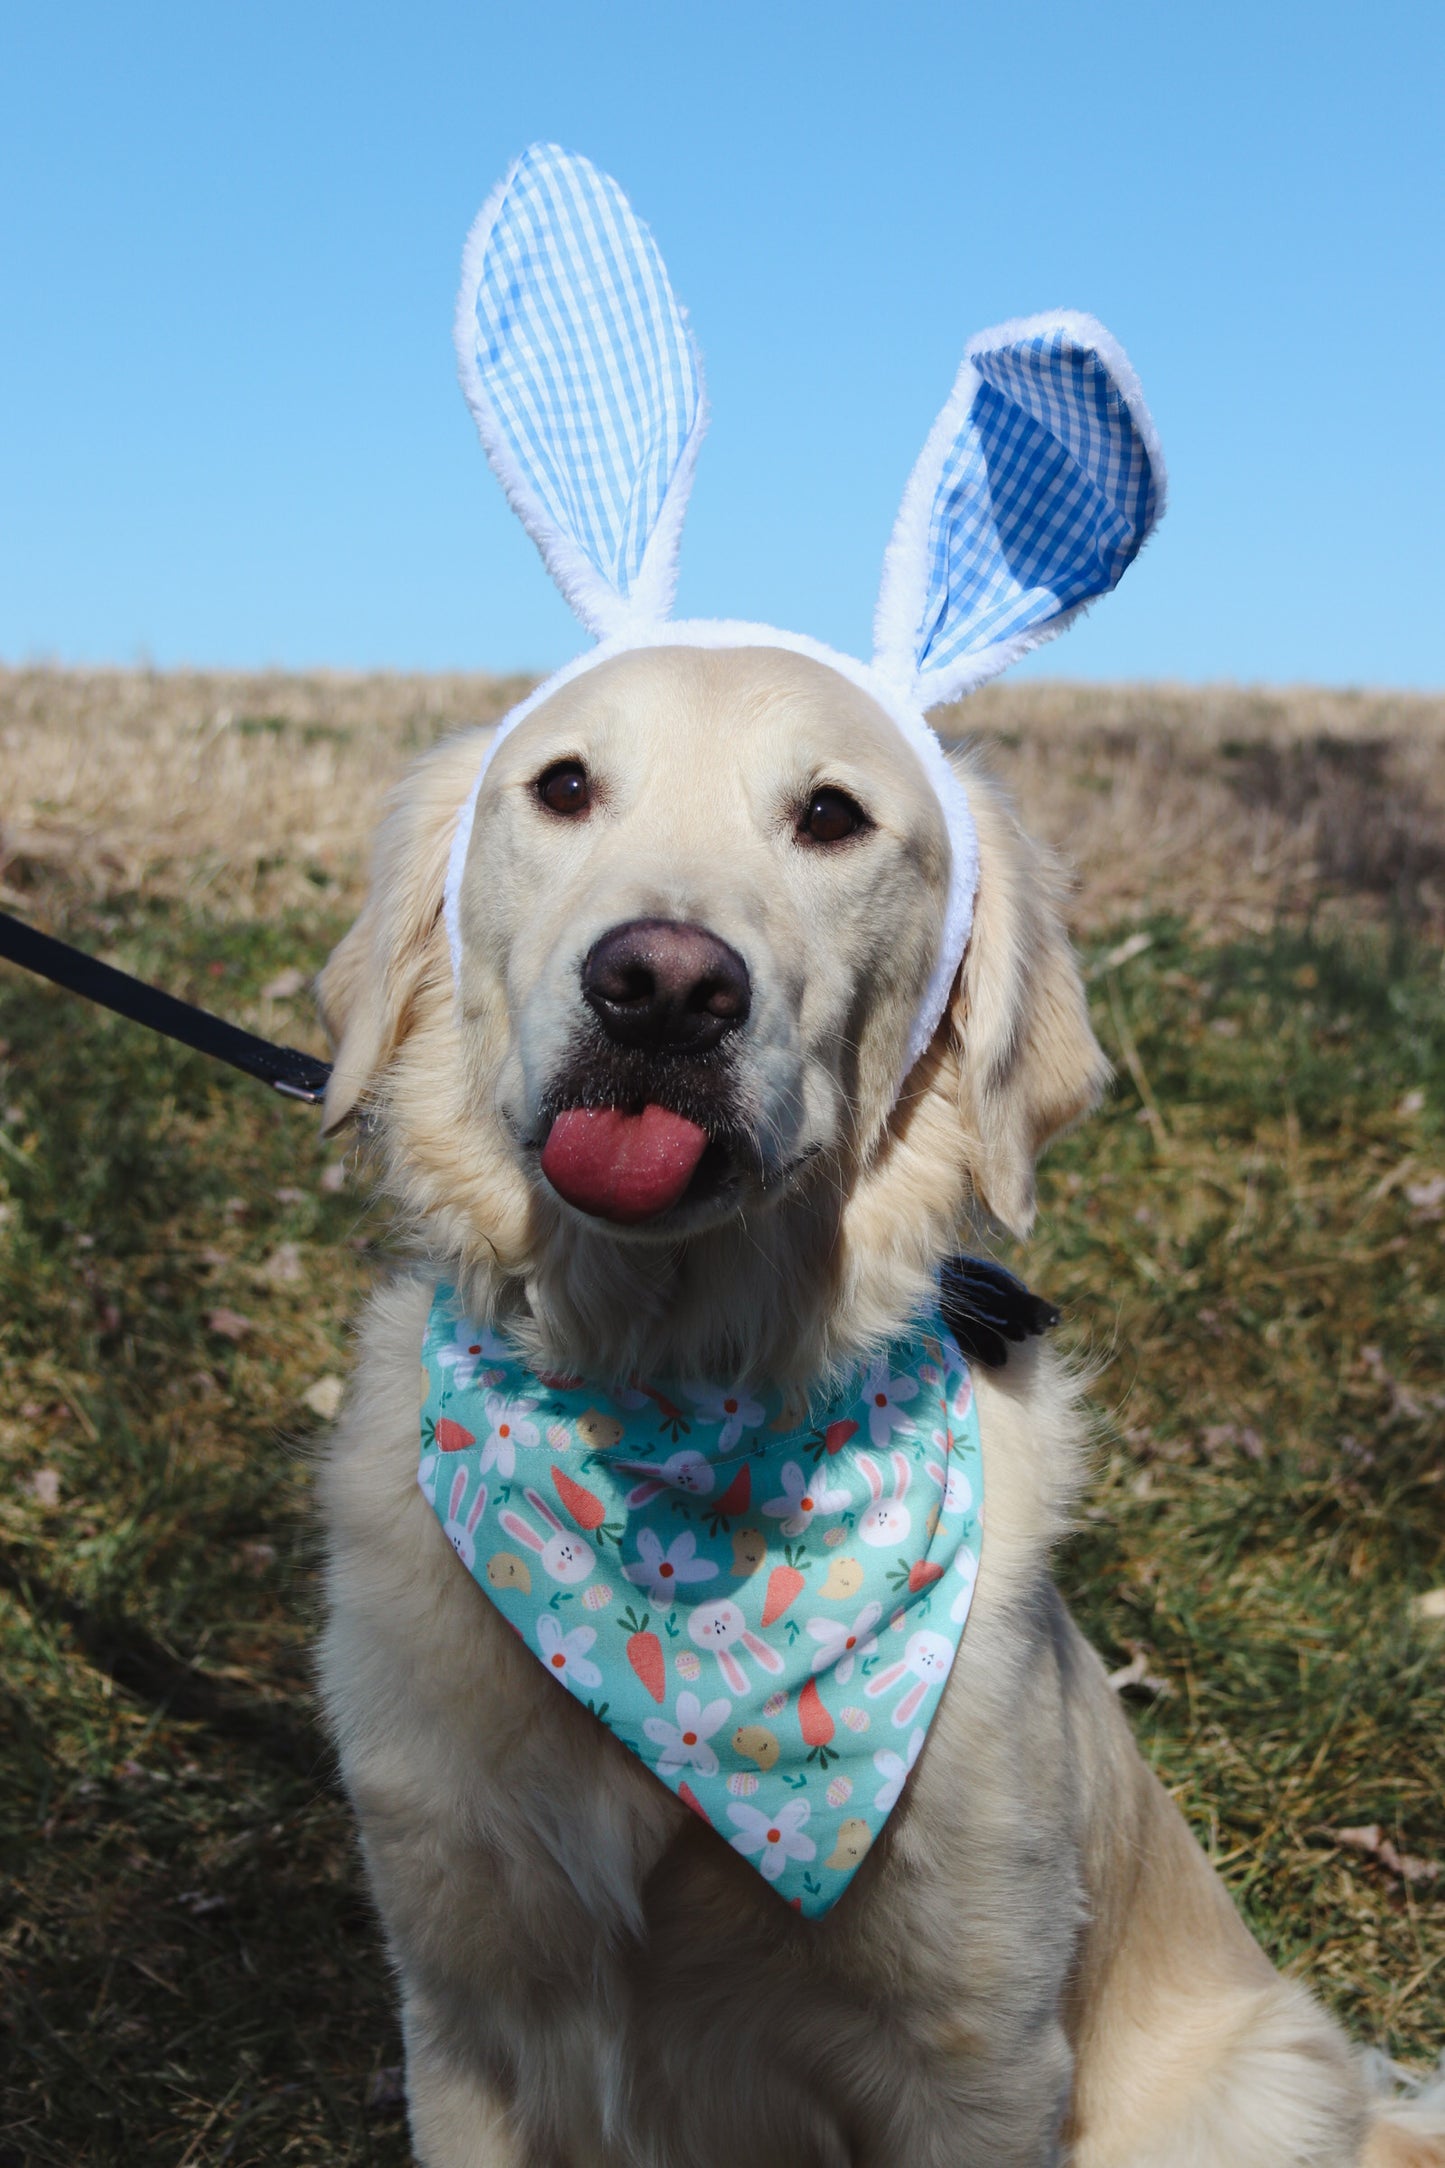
(1248, 1241)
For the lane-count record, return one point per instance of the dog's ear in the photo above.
(1029, 1063)
(369, 985)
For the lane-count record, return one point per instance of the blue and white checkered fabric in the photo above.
(584, 360)
(1042, 501)
(1036, 487)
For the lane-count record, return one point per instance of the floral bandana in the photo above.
(760, 1600)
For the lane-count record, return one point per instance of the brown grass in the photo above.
(1226, 805)
(247, 792)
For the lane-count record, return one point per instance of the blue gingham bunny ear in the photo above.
(584, 383)
(1034, 493)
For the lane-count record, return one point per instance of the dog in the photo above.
(1034, 1962)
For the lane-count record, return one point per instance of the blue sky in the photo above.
(229, 426)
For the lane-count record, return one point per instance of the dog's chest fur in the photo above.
(622, 1972)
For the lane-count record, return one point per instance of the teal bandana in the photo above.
(762, 1601)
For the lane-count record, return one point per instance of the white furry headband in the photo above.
(1039, 482)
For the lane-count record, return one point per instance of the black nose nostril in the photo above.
(633, 986)
(658, 984)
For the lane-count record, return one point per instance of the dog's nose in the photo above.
(666, 987)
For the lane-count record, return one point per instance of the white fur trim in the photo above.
(902, 593)
(902, 711)
(651, 598)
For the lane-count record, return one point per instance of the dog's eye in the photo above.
(563, 788)
(831, 816)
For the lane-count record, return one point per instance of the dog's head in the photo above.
(636, 997)
(701, 903)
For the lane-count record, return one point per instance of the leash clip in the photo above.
(303, 1092)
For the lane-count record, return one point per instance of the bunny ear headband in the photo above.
(1037, 487)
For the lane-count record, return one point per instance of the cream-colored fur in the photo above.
(1036, 1963)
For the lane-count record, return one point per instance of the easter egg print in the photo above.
(660, 1552)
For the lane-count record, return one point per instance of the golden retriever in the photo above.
(1035, 1963)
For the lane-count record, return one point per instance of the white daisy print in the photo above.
(895, 1770)
(470, 1349)
(803, 1499)
(843, 1646)
(731, 1409)
(663, 1572)
(685, 1743)
(509, 1429)
(779, 1837)
(566, 1654)
(886, 1397)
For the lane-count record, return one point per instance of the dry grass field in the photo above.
(1249, 1242)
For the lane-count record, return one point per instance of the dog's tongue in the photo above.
(624, 1167)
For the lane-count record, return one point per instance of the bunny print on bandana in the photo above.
(751, 1606)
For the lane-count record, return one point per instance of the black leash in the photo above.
(288, 1071)
(985, 1308)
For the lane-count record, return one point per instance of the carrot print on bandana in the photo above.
(759, 1613)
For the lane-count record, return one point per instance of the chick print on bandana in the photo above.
(762, 1603)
